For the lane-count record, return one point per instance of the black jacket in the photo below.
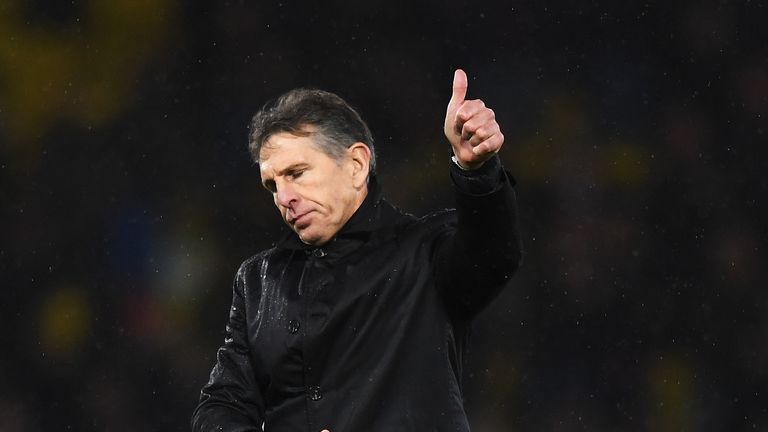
(367, 332)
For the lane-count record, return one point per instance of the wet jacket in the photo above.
(367, 332)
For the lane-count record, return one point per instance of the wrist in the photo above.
(458, 164)
(481, 181)
(465, 166)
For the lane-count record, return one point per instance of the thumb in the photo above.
(459, 88)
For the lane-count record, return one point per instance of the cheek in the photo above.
(343, 199)
(331, 202)
(332, 199)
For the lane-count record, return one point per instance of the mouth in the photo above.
(299, 221)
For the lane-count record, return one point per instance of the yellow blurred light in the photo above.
(65, 319)
(671, 380)
(83, 73)
(624, 163)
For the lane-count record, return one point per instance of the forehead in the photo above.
(284, 149)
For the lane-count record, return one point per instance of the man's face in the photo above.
(316, 194)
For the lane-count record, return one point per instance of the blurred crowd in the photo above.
(636, 133)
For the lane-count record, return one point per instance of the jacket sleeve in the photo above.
(232, 400)
(477, 260)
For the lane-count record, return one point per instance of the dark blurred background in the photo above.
(636, 131)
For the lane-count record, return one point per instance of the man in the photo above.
(357, 321)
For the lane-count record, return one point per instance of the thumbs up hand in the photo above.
(470, 126)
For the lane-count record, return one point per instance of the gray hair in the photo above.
(303, 112)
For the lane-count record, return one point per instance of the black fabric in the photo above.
(367, 332)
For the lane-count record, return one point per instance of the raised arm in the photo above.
(232, 400)
(481, 255)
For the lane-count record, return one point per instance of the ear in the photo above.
(359, 157)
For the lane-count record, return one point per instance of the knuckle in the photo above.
(473, 105)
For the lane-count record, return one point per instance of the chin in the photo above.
(311, 239)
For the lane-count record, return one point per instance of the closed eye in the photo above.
(290, 173)
(294, 174)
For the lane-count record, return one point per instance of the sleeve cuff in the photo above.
(487, 179)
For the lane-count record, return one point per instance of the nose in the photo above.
(285, 195)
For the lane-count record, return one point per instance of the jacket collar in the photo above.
(372, 215)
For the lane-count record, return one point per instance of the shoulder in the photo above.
(438, 218)
(433, 223)
(255, 271)
(255, 265)
(405, 221)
